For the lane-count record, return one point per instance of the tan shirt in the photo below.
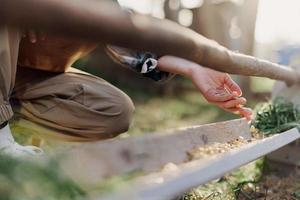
(54, 54)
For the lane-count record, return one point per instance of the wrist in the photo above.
(195, 69)
(178, 66)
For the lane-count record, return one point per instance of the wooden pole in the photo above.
(103, 21)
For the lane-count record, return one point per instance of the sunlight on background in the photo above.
(185, 17)
(151, 7)
(277, 36)
(191, 3)
(155, 8)
(145, 6)
(142, 6)
(278, 20)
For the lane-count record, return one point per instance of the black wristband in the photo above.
(3, 124)
(144, 63)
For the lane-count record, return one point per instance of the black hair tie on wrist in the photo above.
(3, 125)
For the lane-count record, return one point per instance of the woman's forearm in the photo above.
(177, 65)
(103, 21)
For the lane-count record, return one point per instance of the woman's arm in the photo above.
(104, 21)
(218, 88)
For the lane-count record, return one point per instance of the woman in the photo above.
(116, 27)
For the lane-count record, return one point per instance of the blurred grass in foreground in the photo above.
(26, 180)
(225, 187)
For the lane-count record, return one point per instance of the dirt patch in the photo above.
(271, 187)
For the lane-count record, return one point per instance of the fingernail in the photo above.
(243, 101)
(235, 93)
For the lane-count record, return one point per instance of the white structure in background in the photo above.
(278, 34)
(278, 20)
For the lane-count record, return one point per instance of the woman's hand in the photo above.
(218, 88)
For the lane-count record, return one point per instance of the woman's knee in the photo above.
(120, 122)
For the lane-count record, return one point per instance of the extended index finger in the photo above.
(233, 86)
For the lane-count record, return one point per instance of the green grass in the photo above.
(161, 113)
(26, 180)
(226, 188)
(277, 116)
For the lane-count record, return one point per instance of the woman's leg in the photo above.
(9, 45)
(74, 103)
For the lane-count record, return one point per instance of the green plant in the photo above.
(277, 116)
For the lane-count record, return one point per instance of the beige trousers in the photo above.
(9, 46)
(74, 103)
